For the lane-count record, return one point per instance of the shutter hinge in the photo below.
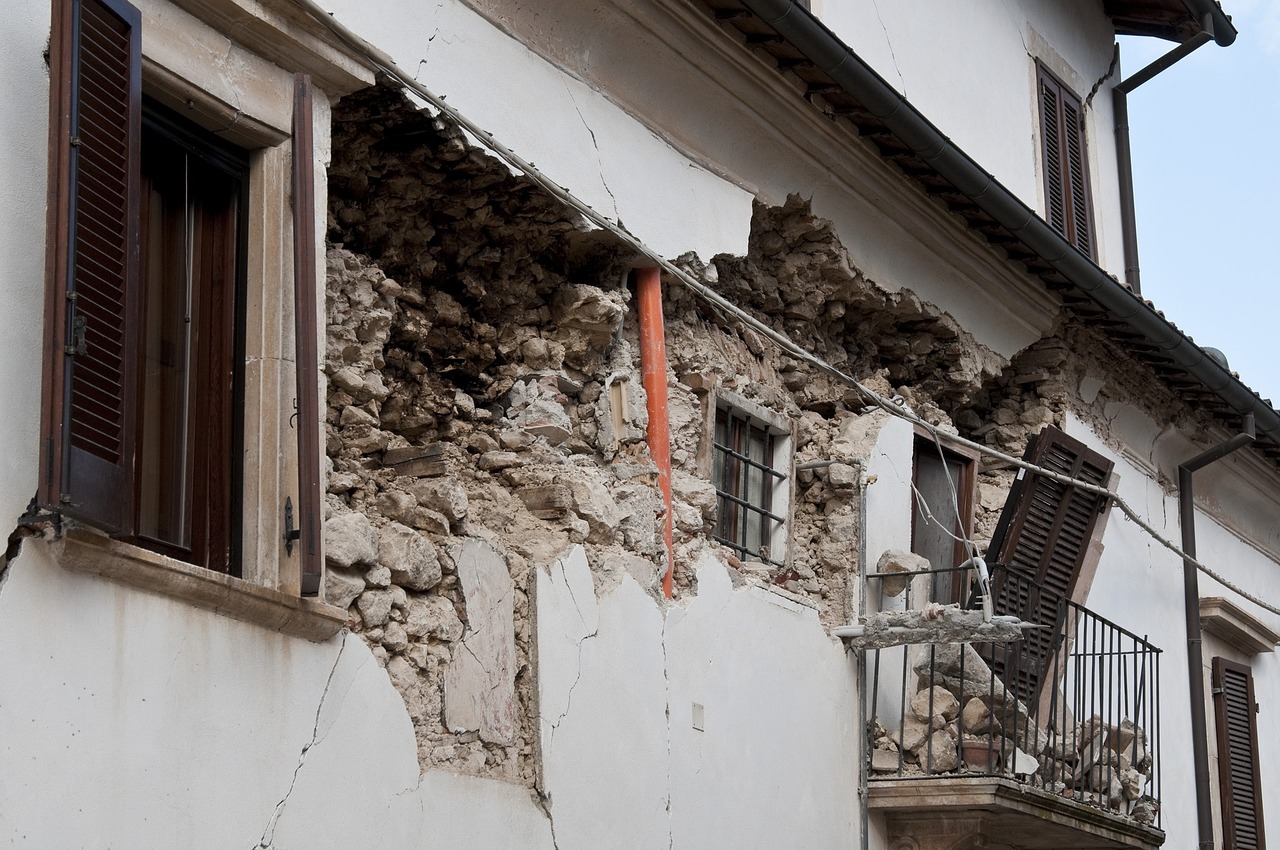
(1216, 691)
(291, 532)
(78, 344)
(75, 141)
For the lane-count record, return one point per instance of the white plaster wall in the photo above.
(24, 105)
(969, 68)
(568, 130)
(1138, 585)
(131, 720)
(775, 762)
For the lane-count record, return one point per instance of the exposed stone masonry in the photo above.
(485, 412)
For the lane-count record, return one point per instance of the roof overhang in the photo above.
(1175, 20)
(848, 88)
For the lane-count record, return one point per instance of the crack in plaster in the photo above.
(568, 702)
(666, 677)
(617, 216)
(888, 41)
(266, 842)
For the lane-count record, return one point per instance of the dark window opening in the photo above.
(191, 234)
(942, 518)
(745, 477)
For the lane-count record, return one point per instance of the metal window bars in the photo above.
(1089, 731)
(744, 476)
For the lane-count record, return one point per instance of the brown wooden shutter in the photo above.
(91, 261)
(1238, 774)
(1066, 177)
(1043, 536)
(305, 274)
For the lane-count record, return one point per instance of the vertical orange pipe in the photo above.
(653, 373)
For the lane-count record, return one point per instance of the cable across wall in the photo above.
(384, 64)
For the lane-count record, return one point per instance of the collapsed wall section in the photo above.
(485, 414)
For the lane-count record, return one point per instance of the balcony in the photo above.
(1047, 742)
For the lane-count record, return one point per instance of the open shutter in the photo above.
(305, 274)
(1043, 536)
(1066, 177)
(1238, 756)
(91, 261)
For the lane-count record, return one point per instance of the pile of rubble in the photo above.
(962, 719)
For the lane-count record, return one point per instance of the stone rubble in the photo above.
(484, 391)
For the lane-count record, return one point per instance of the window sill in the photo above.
(82, 550)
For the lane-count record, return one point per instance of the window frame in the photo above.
(772, 504)
(966, 491)
(1064, 153)
(276, 322)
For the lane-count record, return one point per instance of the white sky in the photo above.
(1206, 150)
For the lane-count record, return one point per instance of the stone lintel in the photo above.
(1246, 633)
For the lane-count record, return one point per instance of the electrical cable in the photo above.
(387, 66)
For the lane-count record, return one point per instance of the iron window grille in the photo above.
(747, 481)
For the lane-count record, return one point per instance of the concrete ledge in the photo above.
(82, 550)
(1243, 631)
(937, 813)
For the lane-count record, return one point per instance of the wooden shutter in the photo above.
(91, 260)
(305, 274)
(1238, 756)
(1043, 536)
(1066, 177)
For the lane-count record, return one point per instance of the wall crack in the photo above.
(266, 842)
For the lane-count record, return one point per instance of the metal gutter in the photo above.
(828, 53)
(1224, 33)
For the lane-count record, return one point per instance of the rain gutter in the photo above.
(828, 53)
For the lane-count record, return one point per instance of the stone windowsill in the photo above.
(84, 551)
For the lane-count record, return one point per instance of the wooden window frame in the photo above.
(1239, 775)
(966, 491)
(281, 406)
(1065, 157)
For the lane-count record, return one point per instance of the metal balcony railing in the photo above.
(1072, 709)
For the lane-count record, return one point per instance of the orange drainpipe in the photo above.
(653, 372)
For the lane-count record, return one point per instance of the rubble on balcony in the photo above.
(942, 711)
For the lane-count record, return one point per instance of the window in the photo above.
(144, 422)
(1066, 176)
(943, 486)
(1238, 775)
(750, 462)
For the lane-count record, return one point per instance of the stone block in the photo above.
(479, 684)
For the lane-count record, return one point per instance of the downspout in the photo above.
(1124, 154)
(653, 373)
(1191, 601)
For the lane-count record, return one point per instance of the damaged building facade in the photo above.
(568, 425)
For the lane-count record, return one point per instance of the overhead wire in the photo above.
(385, 65)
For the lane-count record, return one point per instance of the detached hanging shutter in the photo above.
(305, 329)
(92, 261)
(1238, 756)
(1066, 178)
(1043, 536)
